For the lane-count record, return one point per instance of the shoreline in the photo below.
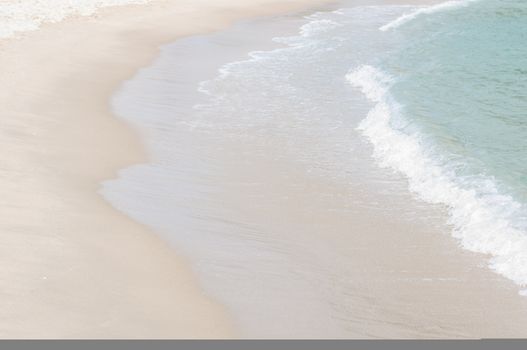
(74, 266)
(397, 276)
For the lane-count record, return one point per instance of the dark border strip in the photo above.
(490, 344)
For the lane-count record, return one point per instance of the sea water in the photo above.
(449, 88)
(383, 100)
(451, 114)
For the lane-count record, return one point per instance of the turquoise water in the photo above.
(447, 90)
(451, 115)
(446, 86)
(463, 80)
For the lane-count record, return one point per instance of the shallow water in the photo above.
(262, 175)
(450, 115)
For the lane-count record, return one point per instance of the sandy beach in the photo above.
(207, 234)
(74, 267)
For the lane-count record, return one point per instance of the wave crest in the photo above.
(407, 17)
(482, 217)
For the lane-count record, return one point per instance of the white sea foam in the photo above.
(27, 15)
(407, 17)
(316, 24)
(484, 220)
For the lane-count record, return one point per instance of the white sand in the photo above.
(70, 265)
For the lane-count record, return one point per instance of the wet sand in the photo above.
(290, 252)
(73, 266)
